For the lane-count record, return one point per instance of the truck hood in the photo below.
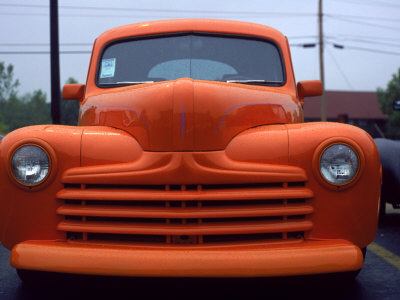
(189, 115)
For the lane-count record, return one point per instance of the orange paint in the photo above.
(189, 177)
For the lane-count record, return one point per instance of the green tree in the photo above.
(31, 109)
(36, 102)
(8, 86)
(385, 99)
(8, 90)
(15, 111)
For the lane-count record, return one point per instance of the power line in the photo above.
(79, 15)
(25, 14)
(367, 42)
(339, 46)
(364, 17)
(364, 23)
(373, 50)
(363, 49)
(292, 45)
(42, 44)
(42, 52)
(160, 16)
(303, 45)
(24, 5)
(302, 37)
(371, 3)
(353, 38)
(340, 69)
(386, 3)
(365, 37)
(152, 10)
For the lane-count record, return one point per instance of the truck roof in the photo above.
(190, 25)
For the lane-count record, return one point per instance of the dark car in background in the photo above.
(389, 154)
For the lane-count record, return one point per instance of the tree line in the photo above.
(385, 99)
(31, 108)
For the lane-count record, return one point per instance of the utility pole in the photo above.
(54, 63)
(321, 61)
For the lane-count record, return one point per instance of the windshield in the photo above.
(203, 57)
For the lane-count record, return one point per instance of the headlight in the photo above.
(30, 165)
(339, 164)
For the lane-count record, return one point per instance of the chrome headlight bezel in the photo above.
(30, 165)
(339, 164)
(328, 144)
(46, 149)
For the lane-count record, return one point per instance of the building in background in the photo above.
(356, 108)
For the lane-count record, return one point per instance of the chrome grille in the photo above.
(185, 214)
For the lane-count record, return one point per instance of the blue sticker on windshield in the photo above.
(107, 68)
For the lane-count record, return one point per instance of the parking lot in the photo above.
(379, 279)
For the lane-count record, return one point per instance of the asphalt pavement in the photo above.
(379, 279)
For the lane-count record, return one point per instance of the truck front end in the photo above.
(191, 159)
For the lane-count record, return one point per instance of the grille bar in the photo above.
(185, 229)
(151, 195)
(184, 213)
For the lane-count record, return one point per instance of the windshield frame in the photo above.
(184, 33)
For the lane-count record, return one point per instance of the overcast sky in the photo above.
(368, 30)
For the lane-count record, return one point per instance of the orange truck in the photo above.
(191, 159)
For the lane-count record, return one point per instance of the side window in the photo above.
(202, 69)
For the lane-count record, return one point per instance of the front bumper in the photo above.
(308, 257)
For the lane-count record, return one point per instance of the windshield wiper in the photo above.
(253, 81)
(134, 82)
(126, 82)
